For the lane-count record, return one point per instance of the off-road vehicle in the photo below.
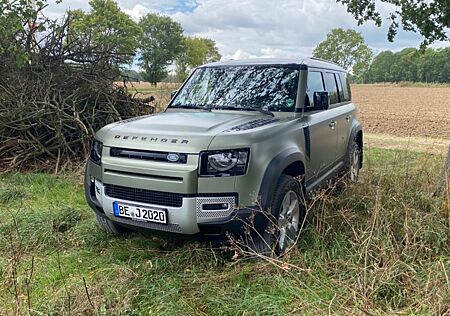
(239, 140)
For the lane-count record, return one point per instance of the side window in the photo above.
(330, 83)
(346, 87)
(339, 84)
(314, 83)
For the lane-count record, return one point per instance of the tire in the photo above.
(353, 162)
(110, 227)
(285, 218)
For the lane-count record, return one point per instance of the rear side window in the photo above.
(315, 83)
(332, 89)
(347, 96)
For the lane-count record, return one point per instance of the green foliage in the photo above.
(197, 52)
(431, 18)
(132, 75)
(18, 26)
(108, 28)
(347, 49)
(161, 41)
(376, 248)
(410, 64)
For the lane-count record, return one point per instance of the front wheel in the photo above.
(284, 219)
(110, 227)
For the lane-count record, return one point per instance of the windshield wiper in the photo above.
(190, 106)
(263, 111)
(232, 107)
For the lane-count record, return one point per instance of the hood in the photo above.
(187, 131)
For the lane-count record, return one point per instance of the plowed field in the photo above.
(404, 111)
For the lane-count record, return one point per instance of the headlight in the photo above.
(96, 152)
(220, 163)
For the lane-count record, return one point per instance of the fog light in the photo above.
(215, 206)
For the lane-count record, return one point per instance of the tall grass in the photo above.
(379, 247)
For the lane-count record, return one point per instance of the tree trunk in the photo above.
(444, 178)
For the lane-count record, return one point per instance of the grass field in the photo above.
(381, 247)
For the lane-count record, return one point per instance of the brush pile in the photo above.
(56, 90)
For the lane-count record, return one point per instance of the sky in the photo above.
(260, 28)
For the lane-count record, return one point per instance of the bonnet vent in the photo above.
(253, 124)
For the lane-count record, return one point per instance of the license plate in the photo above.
(140, 213)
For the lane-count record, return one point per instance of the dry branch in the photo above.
(51, 106)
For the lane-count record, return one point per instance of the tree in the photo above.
(410, 64)
(380, 68)
(197, 52)
(106, 26)
(18, 28)
(405, 66)
(161, 41)
(347, 49)
(431, 18)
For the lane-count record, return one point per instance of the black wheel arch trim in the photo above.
(274, 171)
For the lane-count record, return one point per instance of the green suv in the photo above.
(240, 145)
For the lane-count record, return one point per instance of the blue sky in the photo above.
(260, 28)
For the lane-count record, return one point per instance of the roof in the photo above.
(310, 62)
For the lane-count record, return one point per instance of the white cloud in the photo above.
(137, 11)
(261, 28)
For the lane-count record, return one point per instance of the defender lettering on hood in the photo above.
(153, 139)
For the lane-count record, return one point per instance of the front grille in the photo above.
(144, 196)
(148, 155)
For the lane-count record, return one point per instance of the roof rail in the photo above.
(326, 61)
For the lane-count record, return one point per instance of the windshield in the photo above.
(272, 88)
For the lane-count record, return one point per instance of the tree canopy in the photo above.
(107, 27)
(410, 64)
(197, 52)
(431, 18)
(347, 49)
(161, 41)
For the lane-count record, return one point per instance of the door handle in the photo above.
(332, 124)
(348, 117)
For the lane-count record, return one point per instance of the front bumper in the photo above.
(190, 220)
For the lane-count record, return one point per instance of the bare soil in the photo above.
(404, 111)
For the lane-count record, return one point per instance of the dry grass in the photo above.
(381, 247)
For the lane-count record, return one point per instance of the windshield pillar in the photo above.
(301, 92)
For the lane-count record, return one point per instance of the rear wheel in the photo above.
(353, 164)
(284, 220)
(110, 227)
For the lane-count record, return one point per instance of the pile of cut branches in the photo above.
(53, 100)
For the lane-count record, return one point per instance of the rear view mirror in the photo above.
(173, 93)
(321, 100)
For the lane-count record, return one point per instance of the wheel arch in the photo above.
(289, 162)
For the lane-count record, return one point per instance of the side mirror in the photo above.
(172, 94)
(321, 100)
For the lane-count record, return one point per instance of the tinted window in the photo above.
(332, 89)
(315, 83)
(345, 86)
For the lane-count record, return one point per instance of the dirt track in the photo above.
(404, 111)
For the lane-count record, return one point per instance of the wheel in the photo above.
(284, 220)
(353, 162)
(110, 227)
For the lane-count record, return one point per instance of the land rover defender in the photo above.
(239, 140)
